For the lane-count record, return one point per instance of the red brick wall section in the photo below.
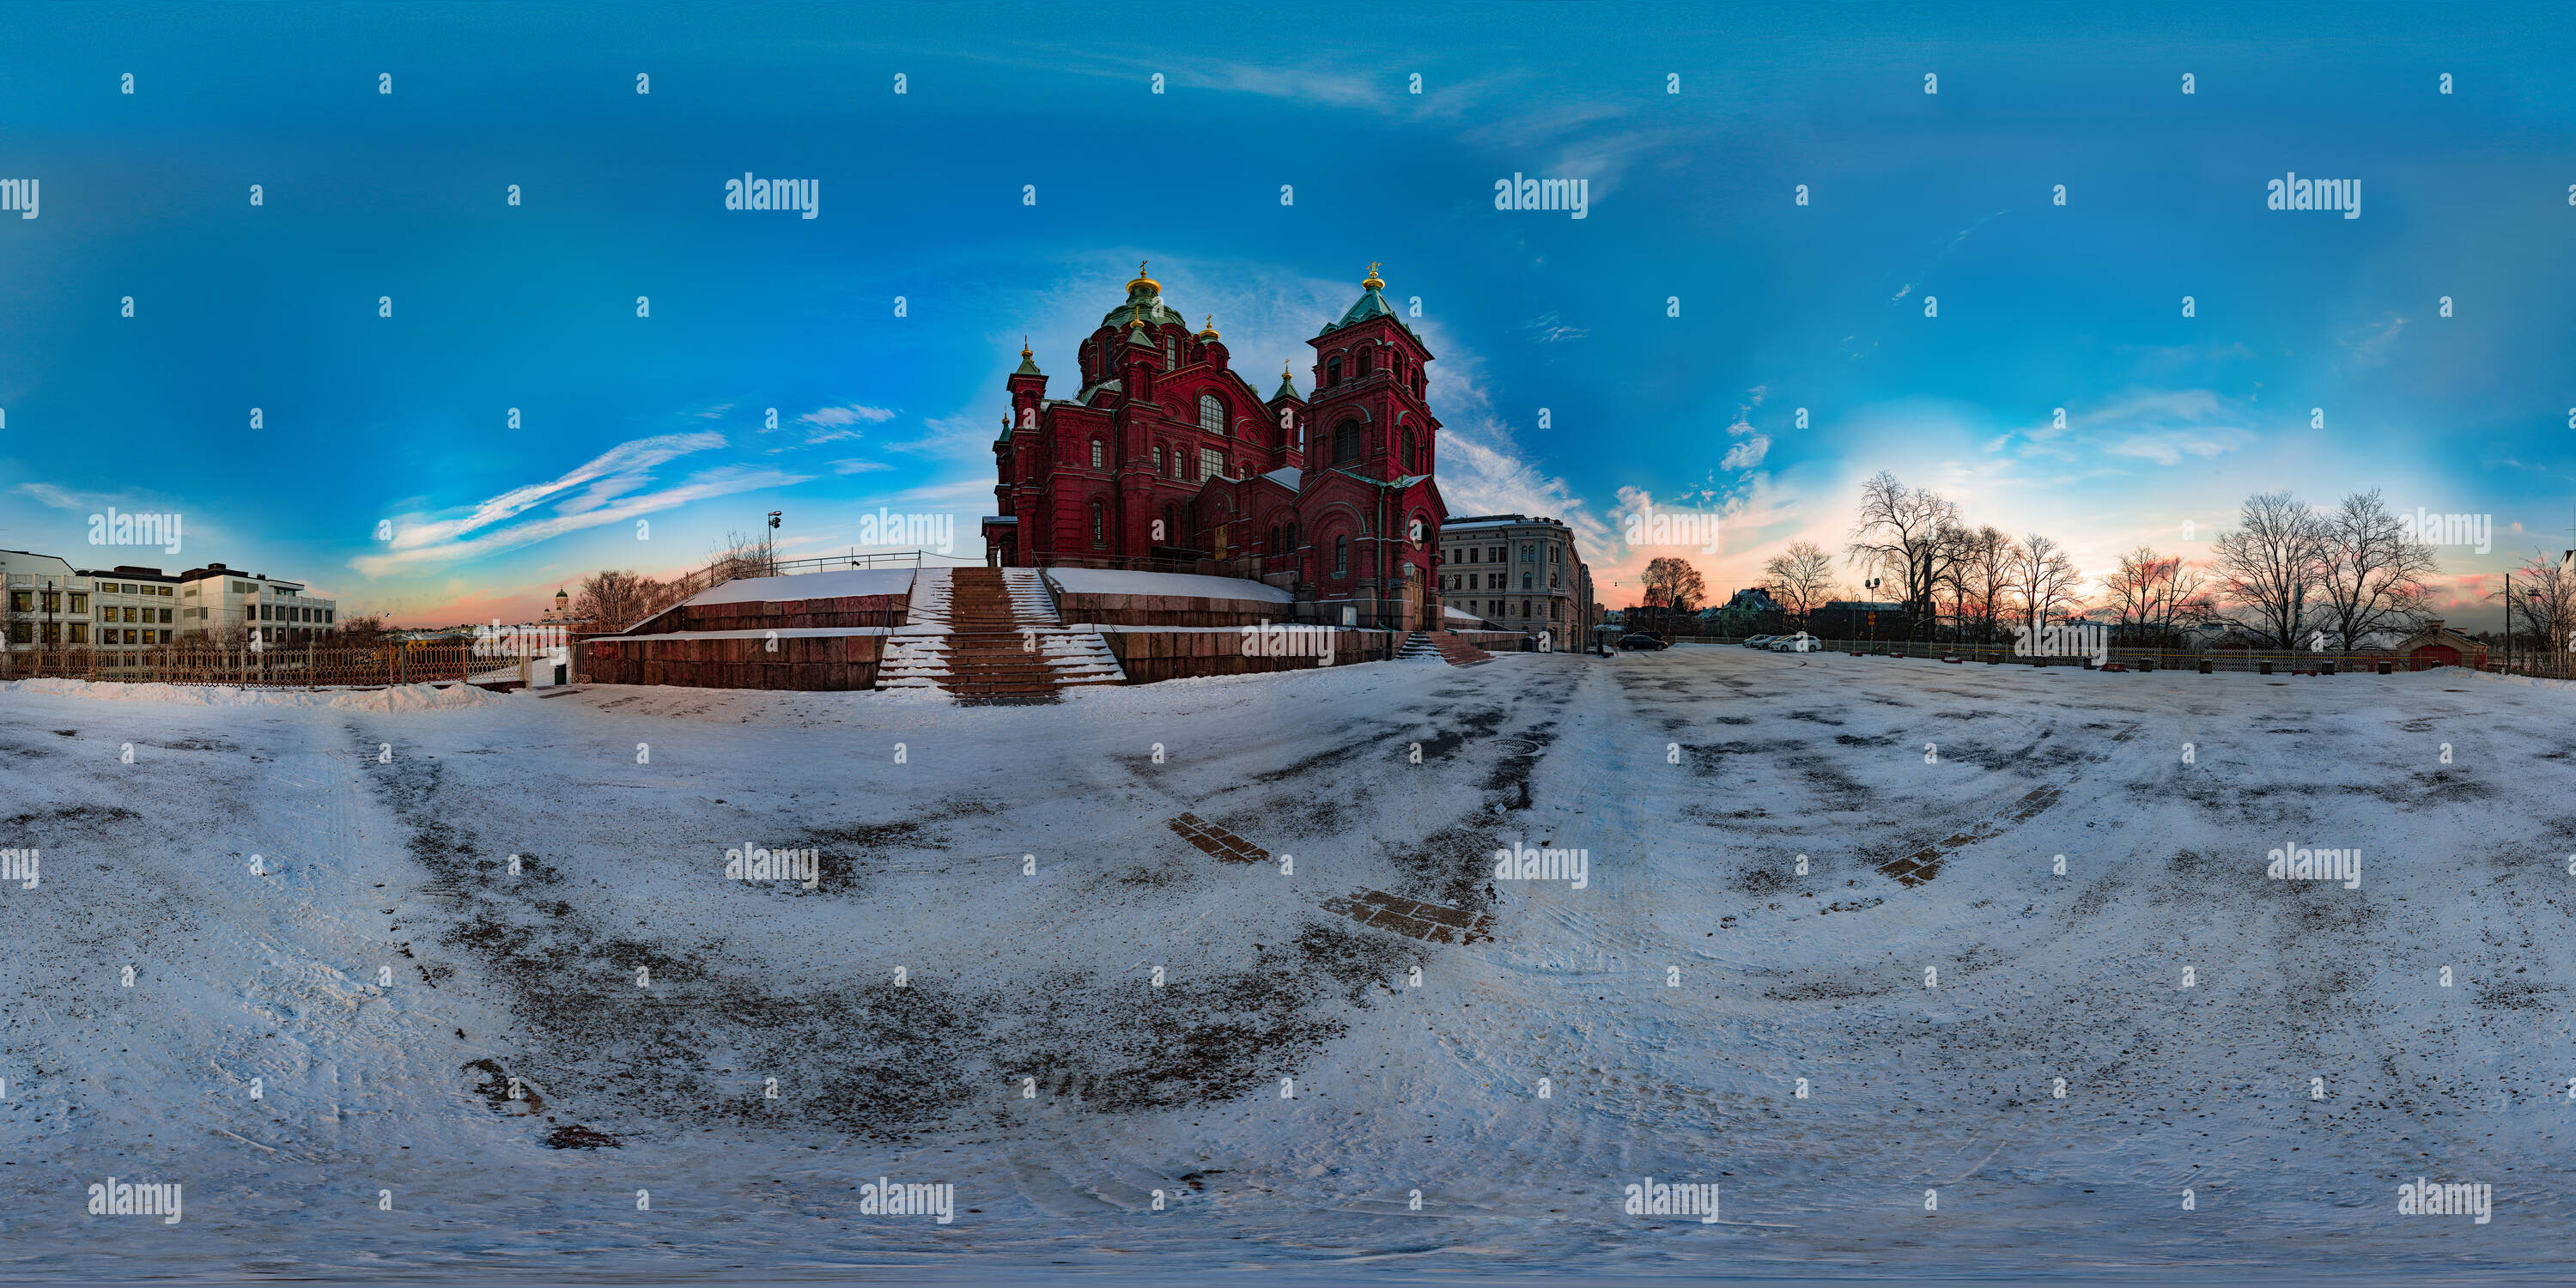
(830, 663)
(1170, 610)
(1148, 656)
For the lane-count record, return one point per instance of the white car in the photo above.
(1801, 642)
(1760, 641)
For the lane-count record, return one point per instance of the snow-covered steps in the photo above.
(1031, 605)
(1080, 657)
(932, 591)
(913, 661)
(1422, 645)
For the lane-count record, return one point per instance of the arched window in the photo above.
(1346, 443)
(1099, 524)
(1408, 451)
(1158, 458)
(1332, 373)
(1211, 414)
(1368, 361)
(1274, 539)
(1341, 555)
(1171, 353)
(1098, 454)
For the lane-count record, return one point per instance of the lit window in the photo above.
(1211, 414)
(1097, 454)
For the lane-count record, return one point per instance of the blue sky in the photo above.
(369, 421)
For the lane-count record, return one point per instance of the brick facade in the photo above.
(1165, 452)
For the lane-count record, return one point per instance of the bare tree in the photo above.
(2370, 575)
(2544, 596)
(1901, 533)
(740, 555)
(2269, 567)
(2043, 579)
(617, 599)
(1987, 573)
(1802, 577)
(1673, 585)
(363, 629)
(2155, 595)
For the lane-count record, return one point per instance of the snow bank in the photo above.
(812, 585)
(1111, 581)
(409, 697)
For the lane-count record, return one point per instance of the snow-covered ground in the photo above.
(1114, 581)
(1027, 1059)
(832, 584)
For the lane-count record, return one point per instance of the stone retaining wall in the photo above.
(778, 614)
(1148, 656)
(1170, 610)
(812, 663)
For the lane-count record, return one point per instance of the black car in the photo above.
(1642, 642)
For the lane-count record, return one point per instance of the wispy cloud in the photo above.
(609, 488)
(835, 424)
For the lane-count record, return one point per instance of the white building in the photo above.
(1519, 573)
(47, 603)
(214, 600)
(43, 603)
(132, 607)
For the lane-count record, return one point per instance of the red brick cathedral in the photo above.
(1165, 458)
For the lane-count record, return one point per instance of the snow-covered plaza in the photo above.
(1927, 967)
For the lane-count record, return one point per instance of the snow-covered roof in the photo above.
(1287, 476)
(1114, 581)
(812, 585)
(784, 632)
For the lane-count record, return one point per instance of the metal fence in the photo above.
(314, 665)
(2256, 661)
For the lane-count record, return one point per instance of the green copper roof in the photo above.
(1142, 303)
(1371, 305)
(1287, 388)
(1028, 367)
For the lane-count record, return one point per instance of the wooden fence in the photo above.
(310, 665)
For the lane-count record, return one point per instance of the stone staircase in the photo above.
(1442, 646)
(991, 634)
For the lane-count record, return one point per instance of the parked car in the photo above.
(1801, 642)
(1642, 642)
(1759, 641)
